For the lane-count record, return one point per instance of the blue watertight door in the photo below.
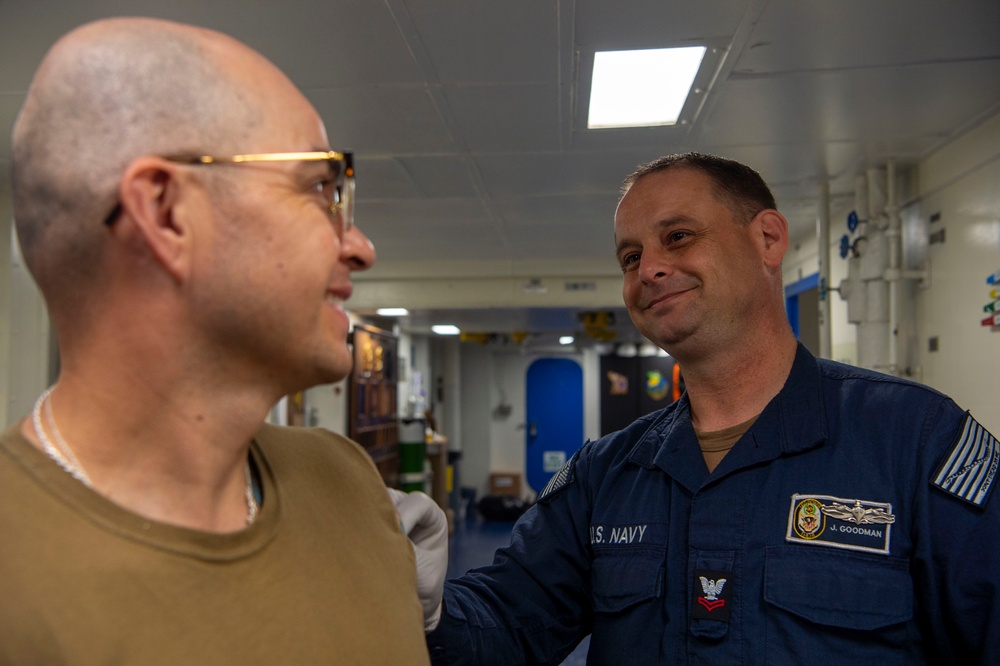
(555, 417)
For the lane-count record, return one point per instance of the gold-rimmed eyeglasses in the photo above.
(338, 186)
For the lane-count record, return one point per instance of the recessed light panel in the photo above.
(641, 88)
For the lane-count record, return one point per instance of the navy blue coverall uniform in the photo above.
(851, 524)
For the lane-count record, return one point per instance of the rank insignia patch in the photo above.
(969, 469)
(849, 524)
(561, 479)
(713, 595)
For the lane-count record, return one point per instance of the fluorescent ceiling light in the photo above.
(648, 349)
(445, 329)
(566, 340)
(392, 312)
(641, 88)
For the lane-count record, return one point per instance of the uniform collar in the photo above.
(793, 421)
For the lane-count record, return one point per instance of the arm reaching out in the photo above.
(425, 524)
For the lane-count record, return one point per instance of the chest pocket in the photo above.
(621, 581)
(839, 589)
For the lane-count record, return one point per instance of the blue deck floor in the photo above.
(472, 545)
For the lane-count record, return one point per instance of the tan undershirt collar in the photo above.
(717, 443)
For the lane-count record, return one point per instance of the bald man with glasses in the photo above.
(192, 233)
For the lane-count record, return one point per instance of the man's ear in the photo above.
(149, 193)
(771, 231)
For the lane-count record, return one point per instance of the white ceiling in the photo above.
(466, 116)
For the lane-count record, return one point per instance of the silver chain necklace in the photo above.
(63, 455)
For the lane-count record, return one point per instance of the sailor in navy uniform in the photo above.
(853, 520)
(896, 561)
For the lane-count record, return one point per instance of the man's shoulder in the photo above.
(315, 460)
(308, 445)
(20, 459)
(852, 378)
(300, 436)
(596, 458)
(11, 437)
(648, 429)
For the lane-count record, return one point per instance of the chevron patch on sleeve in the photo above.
(561, 479)
(970, 468)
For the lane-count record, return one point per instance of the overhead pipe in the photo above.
(851, 289)
(865, 289)
(892, 273)
(823, 234)
(873, 288)
(873, 341)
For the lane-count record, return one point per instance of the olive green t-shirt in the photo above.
(323, 576)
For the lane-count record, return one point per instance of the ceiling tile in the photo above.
(863, 34)
(382, 121)
(507, 118)
(484, 41)
(634, 24)
(439, 176)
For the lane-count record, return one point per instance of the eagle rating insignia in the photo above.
(712, 589)
(715, 599)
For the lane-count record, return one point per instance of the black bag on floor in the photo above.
(502, 507)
